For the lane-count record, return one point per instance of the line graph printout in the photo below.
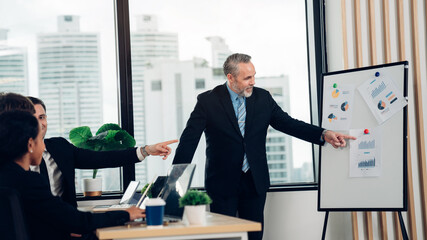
(365, 153)
(338, 106)
(383, 97)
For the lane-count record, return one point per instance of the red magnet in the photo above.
(366, 131)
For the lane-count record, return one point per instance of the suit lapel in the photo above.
(250, 106)
(225, 99)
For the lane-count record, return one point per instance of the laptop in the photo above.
(171, 188)
(177, 183)
(126, 201)
(157, 186)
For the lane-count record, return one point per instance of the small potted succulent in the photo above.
(194, 203)
(108, 137)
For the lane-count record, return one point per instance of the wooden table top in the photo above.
(215, 223)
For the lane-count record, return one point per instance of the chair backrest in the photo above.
(12, 222)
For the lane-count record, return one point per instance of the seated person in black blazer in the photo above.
(62, 158)
(47, 217)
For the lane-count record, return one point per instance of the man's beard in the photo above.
(241, 92)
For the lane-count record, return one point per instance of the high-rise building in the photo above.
(13, 67)
(220, 51)
(69, 69)
(148, 45)
(278, 144)
(70, 77)
(171, 87)
(303, 173)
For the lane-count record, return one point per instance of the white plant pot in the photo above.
(196, 215)
(92, 187)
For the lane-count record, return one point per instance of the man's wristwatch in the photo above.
(144, 152)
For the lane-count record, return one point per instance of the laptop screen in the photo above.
(177, 183)
(158, 186)
(130, 191)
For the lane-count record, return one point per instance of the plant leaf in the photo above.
(97, 142)
(108, 126)
(108, 137)
(149, 194)
(79, 135)
(125, 138)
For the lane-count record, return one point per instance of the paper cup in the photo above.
(154, 210)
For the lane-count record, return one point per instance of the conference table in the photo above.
(217, 227)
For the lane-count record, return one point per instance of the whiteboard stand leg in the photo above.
(325, 224)
(402, 226)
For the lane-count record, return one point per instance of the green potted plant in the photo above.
(149, 194)
(108, 137)
(194, 203)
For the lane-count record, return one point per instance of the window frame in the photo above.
(317, 64)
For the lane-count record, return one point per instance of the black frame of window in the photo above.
(124, 67)
(321, 66)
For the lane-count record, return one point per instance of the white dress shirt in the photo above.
(55, 175)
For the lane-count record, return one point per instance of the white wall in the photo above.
(293, 215)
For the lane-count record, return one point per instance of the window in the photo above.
(179, 43)
(156, 85)
(200, 83)
(68, 61)
(177, 52)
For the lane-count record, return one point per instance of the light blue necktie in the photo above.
(241, 118)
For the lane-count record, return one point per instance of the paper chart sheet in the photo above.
(365, 153)
(383, 97)
(338, 107)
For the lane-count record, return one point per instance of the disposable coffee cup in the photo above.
(154, 210)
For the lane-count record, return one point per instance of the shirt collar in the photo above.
(233, 95)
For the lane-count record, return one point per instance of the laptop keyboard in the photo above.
(121, 206)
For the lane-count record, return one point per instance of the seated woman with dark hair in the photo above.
(47, 217)
(13, 101)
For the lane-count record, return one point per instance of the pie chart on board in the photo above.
(344, 106)
(335, 93)
(381, 105)
(332, 117)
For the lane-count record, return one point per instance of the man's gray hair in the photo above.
(231, 65)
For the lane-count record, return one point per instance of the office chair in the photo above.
(12, 222)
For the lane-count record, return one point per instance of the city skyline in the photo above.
(210, 41)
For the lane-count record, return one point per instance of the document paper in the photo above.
(338, 106)
(383, 97)
(365, 153)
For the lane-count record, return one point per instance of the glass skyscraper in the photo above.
(13, 66)
(70, 85)
(70, 77)
(147, 44)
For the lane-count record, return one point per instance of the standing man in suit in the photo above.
(61, 158)
(235, 117)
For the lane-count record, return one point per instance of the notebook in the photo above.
(126, 201)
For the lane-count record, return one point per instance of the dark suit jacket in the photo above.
(48, 217)
(68, 158)
(225, 146)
